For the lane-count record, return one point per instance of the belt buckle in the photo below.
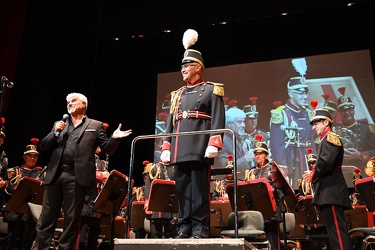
(185, 114)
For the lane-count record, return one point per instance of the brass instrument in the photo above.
(370, 167)
(249, 140)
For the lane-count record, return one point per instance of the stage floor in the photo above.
(183, 244)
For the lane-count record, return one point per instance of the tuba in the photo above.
(370, 167)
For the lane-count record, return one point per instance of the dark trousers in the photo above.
(90, 230)
(66, 193)
(192, 185)
(337, 230)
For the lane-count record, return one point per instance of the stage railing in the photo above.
(154, 136)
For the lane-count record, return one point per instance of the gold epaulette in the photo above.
(371, 128)
(334, 138)
(218, 88)
(11, 172)
(276, 115)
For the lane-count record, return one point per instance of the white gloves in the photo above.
(165, 156)
(249, 156)
(211, 152)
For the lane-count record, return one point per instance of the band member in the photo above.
(358, 136)
(21, 227)
(197, 106)
(304, 186)
(331, 194)
(262, 170)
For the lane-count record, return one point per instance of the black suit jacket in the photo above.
(92, 135)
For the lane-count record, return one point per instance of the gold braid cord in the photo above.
(306, 187)
(219, 187)
(175, 102)
(14, 181)
(157, 175)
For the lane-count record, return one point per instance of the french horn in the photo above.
(370, 167)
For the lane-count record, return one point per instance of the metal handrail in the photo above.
(142, 137)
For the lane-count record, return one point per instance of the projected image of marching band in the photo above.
(273, 98)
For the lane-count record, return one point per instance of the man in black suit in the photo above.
(71, 170)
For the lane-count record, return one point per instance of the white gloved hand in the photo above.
(211, 152)
(165, 156)
(249, 156)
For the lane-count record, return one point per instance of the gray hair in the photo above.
(80, 96)
(234, 112)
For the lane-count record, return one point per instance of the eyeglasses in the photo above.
(317, 122)
(301, 92)
(185, 66)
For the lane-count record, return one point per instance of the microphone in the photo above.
(65, 117)
(283, 127)
(7, 82)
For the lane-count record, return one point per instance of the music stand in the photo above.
(307, 213)
(281, 183)
(111, 197)
(254, 195)
(27, 190)
(163, 196)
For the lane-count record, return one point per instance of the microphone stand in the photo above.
(2, 92)
(4, 83)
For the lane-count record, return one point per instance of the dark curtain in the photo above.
(12, 19)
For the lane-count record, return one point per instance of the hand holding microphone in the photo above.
(61, 125)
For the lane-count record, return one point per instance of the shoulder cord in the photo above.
(157, 175)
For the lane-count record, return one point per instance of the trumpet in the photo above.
(370, 167)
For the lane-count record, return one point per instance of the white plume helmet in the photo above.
(300, 65)
(190, 38)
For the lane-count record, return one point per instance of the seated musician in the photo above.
(355, 198)
(262, 170)
(219, 192)
(306, 192)
(304, 187)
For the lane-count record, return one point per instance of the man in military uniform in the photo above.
(235, 120)
(331, 194)
(331, 106)
(197, 106)
(290, 131)
(358, 136)
(263, 169)
(21, 227)
(251, 125)
(251, 121)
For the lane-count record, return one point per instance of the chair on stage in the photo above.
(250, 227)
(366, 188)
(219, 212)
(255, 203)
(163, 198)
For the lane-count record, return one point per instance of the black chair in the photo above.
(366, 188)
